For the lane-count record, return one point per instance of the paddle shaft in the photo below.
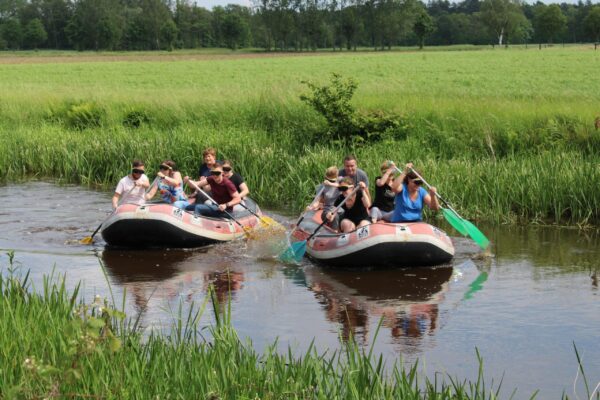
(118, 204)
(217, 204)
(335, 210)
(319, 193)
(436, 193)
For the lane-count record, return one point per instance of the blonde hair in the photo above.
(331, 172)
(209, 150)
(385, 166)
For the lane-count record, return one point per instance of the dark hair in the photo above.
(137, 163)
(170, 164)
(411, 175)
(349, 157)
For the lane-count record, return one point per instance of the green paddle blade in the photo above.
(454, 220)
(476, 285)
(466, 228)
(294, 252)
(476, 235)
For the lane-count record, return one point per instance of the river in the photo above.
(523, 309)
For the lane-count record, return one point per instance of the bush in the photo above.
(136, 117)
(84, 115)
(344, 124)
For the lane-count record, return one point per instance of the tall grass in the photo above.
(549, 186)
(55, 346)
(505, 135)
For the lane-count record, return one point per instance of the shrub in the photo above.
(84, 115)
(344, 124)
(136, 117)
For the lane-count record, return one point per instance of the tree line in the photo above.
(290, 25)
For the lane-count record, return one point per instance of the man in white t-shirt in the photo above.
(132, 187)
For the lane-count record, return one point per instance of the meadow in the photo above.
(505, 135)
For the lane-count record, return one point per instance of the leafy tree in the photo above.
(12, 33)
(502, 17)
(34, 34)
(424, 26)
(168, 33)
(549, 22)
(55, 17)
(592, 23)
(96, 25)
(234, 29)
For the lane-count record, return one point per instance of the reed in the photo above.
(500, 149)
(53, 345)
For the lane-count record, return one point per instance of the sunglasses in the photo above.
(164, 167)
(343, 188)
(331, 180)
(215, 173)
(137, 171)
(417, 182)
(226, 169)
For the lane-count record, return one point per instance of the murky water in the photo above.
(522, 309)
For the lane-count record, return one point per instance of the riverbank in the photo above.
(505, 135)
(55, 346)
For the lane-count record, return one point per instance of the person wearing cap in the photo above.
(169, 184)
(328, 194)
(383, 205)
(223, 192)
(411, 197)
(132, 187)
(356, 208)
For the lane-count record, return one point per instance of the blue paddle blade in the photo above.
(294, 252)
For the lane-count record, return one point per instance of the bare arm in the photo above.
(115, 200)
(431, 199)
(366, 197)
(245, 191)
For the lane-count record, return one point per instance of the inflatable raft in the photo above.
(376, 245)
(162, 225)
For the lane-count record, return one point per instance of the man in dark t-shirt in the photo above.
(223, 192)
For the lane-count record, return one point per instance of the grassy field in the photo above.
(506, 134)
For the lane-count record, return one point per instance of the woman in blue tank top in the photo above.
(411, 197)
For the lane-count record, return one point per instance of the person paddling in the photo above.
(223, 191)
(411, 197)
(132, 187)
(169, 185)
(356, 208)
(383, 206)
(327, 195)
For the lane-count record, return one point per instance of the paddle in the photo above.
(296, 250)
(266, 221)
(90, 239)
(246, 229)
(459, 223)
(319, 193)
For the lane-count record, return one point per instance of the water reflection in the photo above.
(173, 274)
(407, 300)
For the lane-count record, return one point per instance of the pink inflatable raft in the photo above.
(162, 225)
(376, 245)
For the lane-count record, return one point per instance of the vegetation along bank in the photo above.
(505, 135)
